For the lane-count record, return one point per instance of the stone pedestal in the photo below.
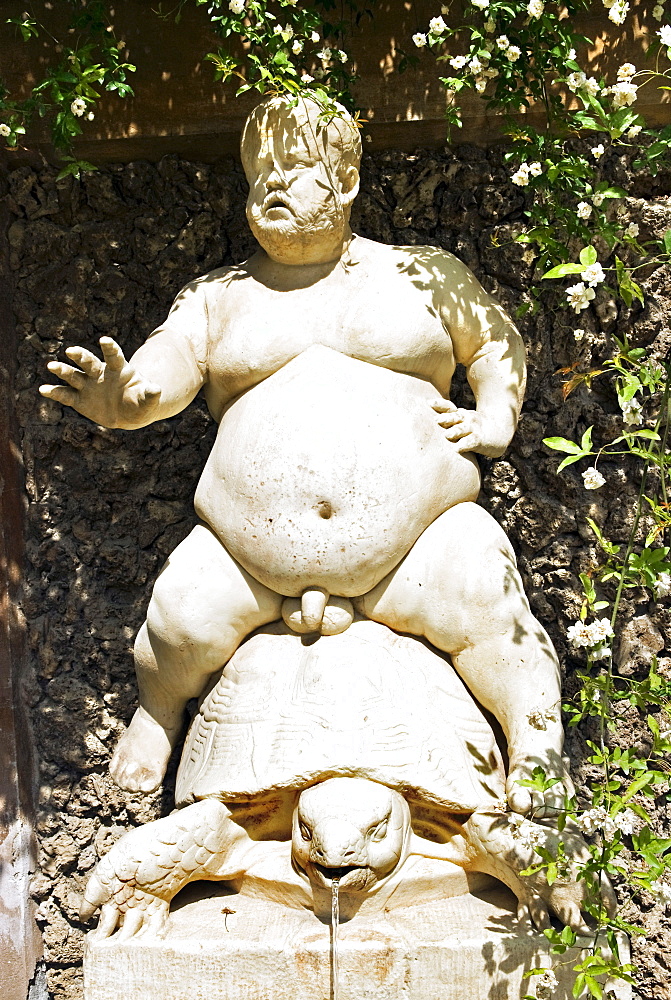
(468, 947)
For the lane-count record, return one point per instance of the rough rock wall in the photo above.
(105, 507)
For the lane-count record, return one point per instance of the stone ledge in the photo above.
(464, 948)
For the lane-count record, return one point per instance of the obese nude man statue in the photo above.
(340, 469)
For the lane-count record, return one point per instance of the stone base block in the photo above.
(234, 947)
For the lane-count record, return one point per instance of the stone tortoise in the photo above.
(361, 748)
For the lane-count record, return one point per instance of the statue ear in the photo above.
(349, 185)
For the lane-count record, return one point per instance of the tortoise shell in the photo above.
(289, 711)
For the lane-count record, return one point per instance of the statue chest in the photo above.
(385, 324)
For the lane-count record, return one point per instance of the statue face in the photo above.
(299, 198)
(351, 829)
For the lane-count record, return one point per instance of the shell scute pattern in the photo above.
(366, 703)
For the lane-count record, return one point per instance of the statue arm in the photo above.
(488, 344)
(160, 379)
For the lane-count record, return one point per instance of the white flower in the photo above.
(579, 297)
(535, 8)
(90, 116)
(594, 274)
(591, 86)
(490, 26)
(626, 71)
(583, 210)
(665, 34)
(601, 629)
(632, 411)
(236, 6)
(624, 93)
(475, 65)
(324, 54)
(663, 586)
(598, 151)
(419, 39)
(482, 4)
(626, 822)
(658, 12)
(661, 891)
(634, 131)
(592, 478)
(546, 985)
(535, 169)
(315, 37)
(306, 78)
(576, 81)
(503, 42)
(78, 107)
(287, 32)
(578, 634)
(618, 12)
(342, 56)
(572, 55)
(297, 47)
(592, 820)
(492, 74)
(481, 86)
(513, 53)
(458, 62)
(521, 175)
(5, 129)
(598, 199)
(578, 334)
(437, 26)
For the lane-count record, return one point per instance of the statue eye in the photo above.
(306, 832)
(379, 831)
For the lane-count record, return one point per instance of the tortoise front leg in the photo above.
(134, 883)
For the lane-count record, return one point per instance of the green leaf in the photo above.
(561, 270)
(563, 444)
(667, 240)
(588, 255)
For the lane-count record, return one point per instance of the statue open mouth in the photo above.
(335, 873)
(275, 202)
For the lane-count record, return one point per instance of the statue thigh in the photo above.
(459, 587)
(202, 606)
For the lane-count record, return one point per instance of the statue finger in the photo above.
(112, 354)
(450, 419)
(92, 365)
(469, 443)
(149, 392)
(60, 394)
(71, 375)
(444, 406)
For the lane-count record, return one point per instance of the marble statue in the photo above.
(327, 752)
(339, 609)
(342, 478)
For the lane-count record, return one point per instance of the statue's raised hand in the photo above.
(110, 392)
(469, 430)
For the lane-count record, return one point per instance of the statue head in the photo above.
(350, 829)
(303, 175)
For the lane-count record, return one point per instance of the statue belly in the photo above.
(327, 472)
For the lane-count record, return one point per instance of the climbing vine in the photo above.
(516, 55)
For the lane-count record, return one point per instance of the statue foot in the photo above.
(142, 754)
(537, 801)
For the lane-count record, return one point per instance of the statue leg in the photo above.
(460, 588)
(202, 607)
(134, 883)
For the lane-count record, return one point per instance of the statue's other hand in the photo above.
(110, 392)
(469, 430)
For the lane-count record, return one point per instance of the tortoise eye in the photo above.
(306, 832)
(379, 831)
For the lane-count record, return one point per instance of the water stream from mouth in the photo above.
(335, 921)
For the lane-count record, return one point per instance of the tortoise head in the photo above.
(350, 829)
